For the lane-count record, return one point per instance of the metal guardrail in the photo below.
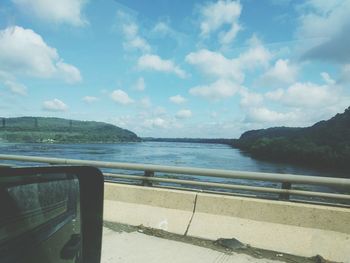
(286, 180)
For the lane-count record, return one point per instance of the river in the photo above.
(216, 156)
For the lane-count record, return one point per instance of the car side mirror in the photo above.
(51, 214)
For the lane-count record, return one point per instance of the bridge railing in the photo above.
(153, 175)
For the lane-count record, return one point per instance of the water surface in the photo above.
(216, 156)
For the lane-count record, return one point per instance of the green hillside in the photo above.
(325, 144)
(57, 130)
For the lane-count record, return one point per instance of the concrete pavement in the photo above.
(134, 247)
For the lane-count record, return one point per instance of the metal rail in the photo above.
(286, 180)
(233, 187)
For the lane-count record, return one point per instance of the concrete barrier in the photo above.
(169, 210)
(300, 229)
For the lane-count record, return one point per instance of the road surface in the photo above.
(134, 247)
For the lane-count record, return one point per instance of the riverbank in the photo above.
(57, 130)
(326, 144)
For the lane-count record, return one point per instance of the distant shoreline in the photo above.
(191, 140)
(57, 131)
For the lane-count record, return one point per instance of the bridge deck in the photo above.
(121, 246)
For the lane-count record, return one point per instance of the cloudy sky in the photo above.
(169, 68)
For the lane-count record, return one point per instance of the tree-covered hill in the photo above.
(57, 130)
(325, 144)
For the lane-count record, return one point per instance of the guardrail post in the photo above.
(287, 186)
(146, 182)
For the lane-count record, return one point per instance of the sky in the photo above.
(162, 68)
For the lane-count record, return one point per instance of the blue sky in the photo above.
(176, 68)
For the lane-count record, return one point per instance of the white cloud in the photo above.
(219, 14)
(224, 67)
(159, 111)
(89, 99)
(327, 22)
(275, 94)
(24, 52)
(255, 56)
(62, 11)
(217, 65)
(227, 37)
(300, 104)
(345, 74)
(132, 38)
(140, 84)
(322, 18)
(146, 102)
(220, 89)
(214, 115)
(68, 72)
(16, 88)
(163, 29)
(5, 76)
(268, 117)
(310, 95)
(154, 62)
(151, 121)
(280, 74)
(306, 95)
(327, 78)
(183, 114)
(262, 117)
(178, 99)
(155, 123)
(250, 99)
(121, 97)
(124, 121)
(55, 105)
